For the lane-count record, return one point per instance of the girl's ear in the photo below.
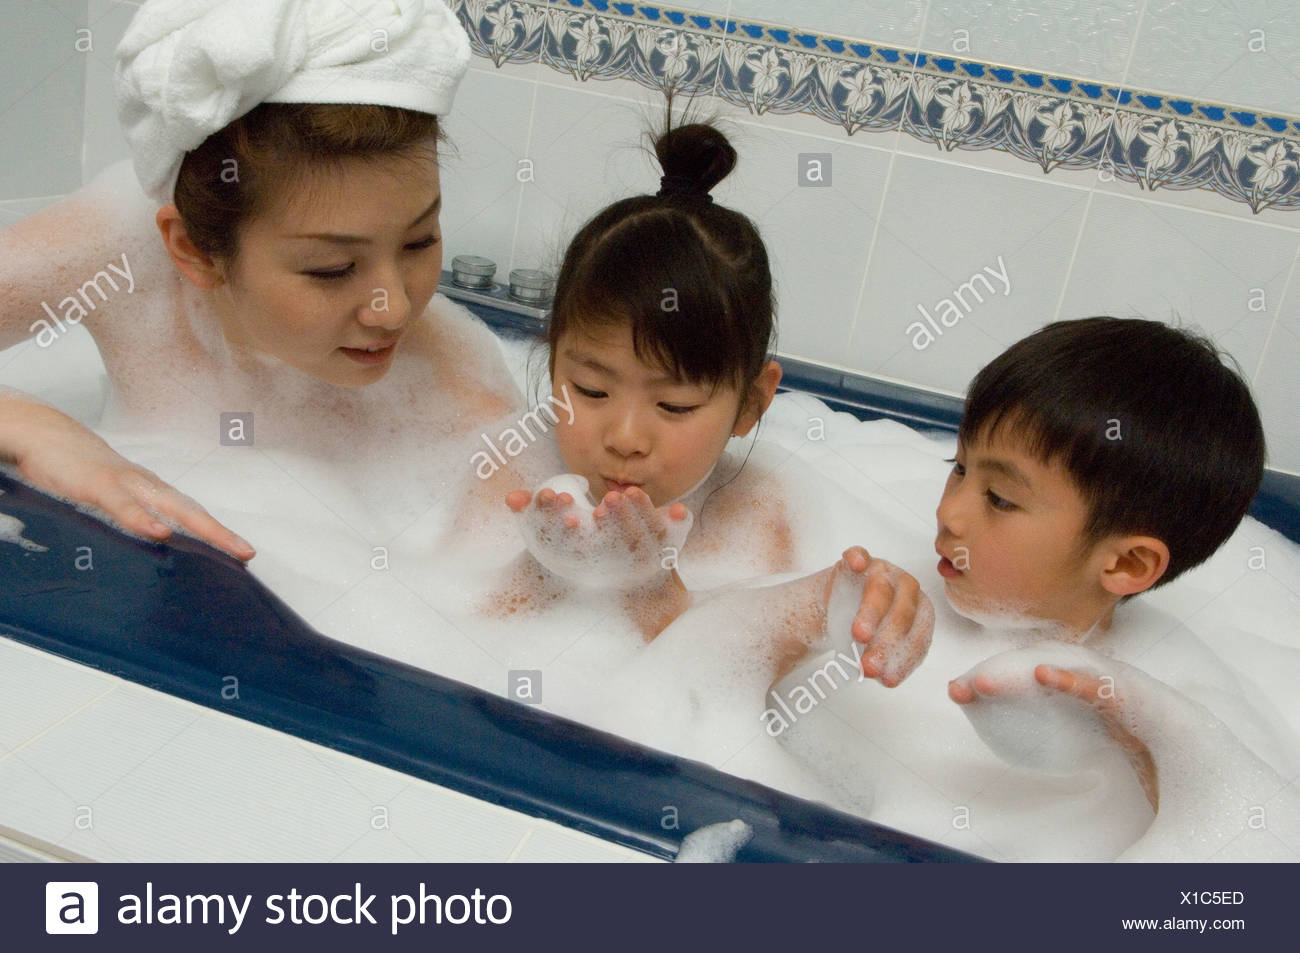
(199, 268)
(760, 397)
(1133, 564)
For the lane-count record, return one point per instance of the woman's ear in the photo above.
(1133, 564)
(760, 397)
(202, 271)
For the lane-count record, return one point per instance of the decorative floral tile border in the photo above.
(1154, 140)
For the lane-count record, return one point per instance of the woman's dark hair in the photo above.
(1158, 434)
(690, 277)
(233, 174)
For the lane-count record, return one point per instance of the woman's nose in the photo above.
(388, 306)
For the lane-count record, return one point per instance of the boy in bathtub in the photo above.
(1098, 459)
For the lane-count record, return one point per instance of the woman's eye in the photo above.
(330, 274)
(679, 408)
(998, 502)
(426, 242)
(957, 468)
(586, 392)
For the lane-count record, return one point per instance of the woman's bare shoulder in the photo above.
(78, 258)
(466, 357)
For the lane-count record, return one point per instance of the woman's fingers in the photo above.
(203, 525)
(123, 507)
(139, 498)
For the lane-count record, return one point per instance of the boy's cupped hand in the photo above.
(882, 609)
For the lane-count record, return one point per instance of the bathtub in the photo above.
(176, 617)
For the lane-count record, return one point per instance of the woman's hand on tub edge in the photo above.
(59, 455)
(894, 621)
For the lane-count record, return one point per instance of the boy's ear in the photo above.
(760, 398)
(1133, 564)
(200, 269)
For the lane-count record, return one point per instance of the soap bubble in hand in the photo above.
(625, 542)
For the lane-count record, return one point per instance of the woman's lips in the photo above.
(362, 356)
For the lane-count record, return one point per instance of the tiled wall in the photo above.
(903, 223)
(41, 102)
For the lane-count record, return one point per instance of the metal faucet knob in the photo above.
(527, 284)
(470, 271)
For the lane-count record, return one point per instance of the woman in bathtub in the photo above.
(296, 271)
(298, 259)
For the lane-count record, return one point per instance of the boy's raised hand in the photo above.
(624, 542)
(883, 611)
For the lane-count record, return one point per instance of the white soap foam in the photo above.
(1030, 725)
(11, 531)
(596, 555)
(715, 843)
(1213, 791)
(374, 549)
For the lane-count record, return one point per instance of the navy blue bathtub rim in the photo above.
(190, 621)
(1277, 504)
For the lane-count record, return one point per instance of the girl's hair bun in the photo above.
(696, 156)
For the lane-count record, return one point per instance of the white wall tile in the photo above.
(942, 224)
(104, 142)
(42, 94)
(1202, 49)
(86, 756)
(1142, 259)
(1277, 385)
(588, 150)
(489, 129)
(1086, 38)
(817, 266)
(38, 690)
(894, 22)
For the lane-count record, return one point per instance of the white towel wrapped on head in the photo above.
(188, 68)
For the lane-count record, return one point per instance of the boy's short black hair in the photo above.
(1158, 434)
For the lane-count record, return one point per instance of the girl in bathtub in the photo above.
(659, 343)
